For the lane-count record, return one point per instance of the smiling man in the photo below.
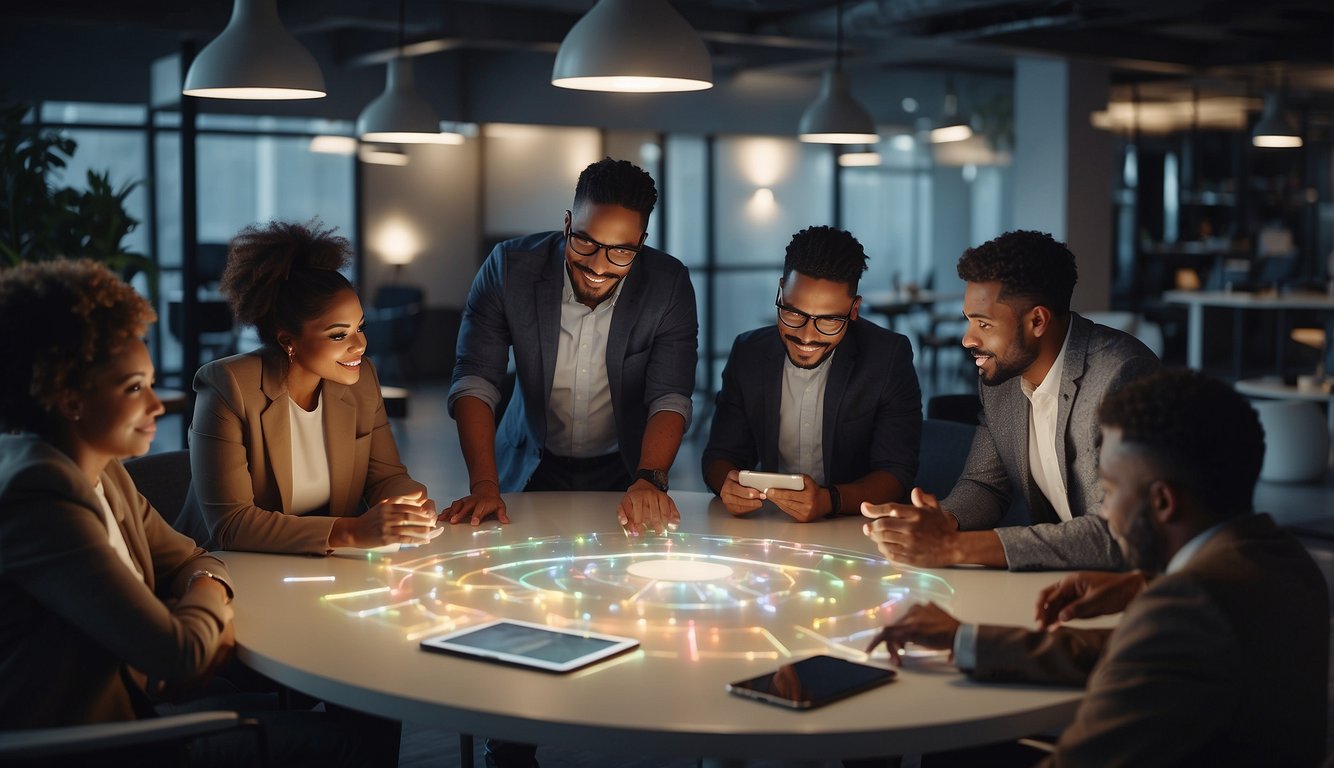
(603, 332)
(823, 393)
(1042, 373)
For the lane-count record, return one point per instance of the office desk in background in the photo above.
(892, 304)
(1196, 301)
(741, 597)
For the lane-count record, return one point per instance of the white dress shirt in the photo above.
(1043, 461)
(114, 535)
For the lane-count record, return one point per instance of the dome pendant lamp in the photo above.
(633, 46)
(953, 126)
(835, 117)
(1274, 131)
(254, 58)
(400, 115)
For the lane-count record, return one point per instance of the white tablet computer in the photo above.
(531, 645)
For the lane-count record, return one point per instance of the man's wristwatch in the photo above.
(657, 477)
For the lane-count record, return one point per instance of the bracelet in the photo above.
(835, 501)
(473, 487)
(203, 574)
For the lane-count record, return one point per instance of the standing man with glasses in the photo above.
(603, 332)
(822, 393)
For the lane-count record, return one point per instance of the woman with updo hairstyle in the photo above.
(290, 447)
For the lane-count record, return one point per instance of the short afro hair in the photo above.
(282, 275)
(65, 318)
(1198, 431)
(1033, 268)
(826, 253)
(617, 182)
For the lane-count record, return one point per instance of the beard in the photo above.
(1140, 543)
(587, 295)
(828, 350)
(1015, 361)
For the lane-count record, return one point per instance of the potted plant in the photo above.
(40, 220)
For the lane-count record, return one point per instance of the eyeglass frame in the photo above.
(571, 235)
(807, 318)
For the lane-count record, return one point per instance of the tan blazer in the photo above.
(77, 627)
(241, 457)
(1224, 662)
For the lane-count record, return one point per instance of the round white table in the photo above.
(346, 629)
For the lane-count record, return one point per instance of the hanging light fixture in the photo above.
(1274, 131)
(859, 157)
(835, 117)
(633, 46)
(400, 115)
(953, 126)
(254, 58)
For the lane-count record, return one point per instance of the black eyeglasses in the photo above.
(619, 255)
(829, 325)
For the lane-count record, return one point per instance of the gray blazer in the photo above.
(1098, 360)
(515, 304)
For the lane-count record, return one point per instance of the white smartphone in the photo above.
(762, 480)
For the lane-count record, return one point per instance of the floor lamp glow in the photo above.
(254, 58)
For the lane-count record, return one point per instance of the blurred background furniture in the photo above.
(945, 446)
(163, 479)
(964, 409)
(392, 324)
(1296, 440)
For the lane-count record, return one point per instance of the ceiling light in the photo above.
(865, 156)
(633, 46)
(952, 125)
(333, 145)
(400, 115)
(835, 117)
(254, 58)
(1274, 131)
(382, 155)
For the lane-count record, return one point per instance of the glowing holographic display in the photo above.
(682, 595)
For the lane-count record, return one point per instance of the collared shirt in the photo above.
(1184, 555)
(311, 487)
(115, 537)
(801, 419)
(580, 420)
(1044, 409)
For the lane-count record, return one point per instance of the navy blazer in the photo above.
(872, 405)
(515, 303)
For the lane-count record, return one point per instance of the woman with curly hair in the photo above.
(290, 448)
(99, 595)
(107, 610)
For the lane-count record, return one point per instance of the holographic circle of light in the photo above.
(682, 595)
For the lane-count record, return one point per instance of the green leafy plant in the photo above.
(40, 220)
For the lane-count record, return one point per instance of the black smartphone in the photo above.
(812, 682)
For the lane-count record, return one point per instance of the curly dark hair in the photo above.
(284, 274)
(64, 319)
(1033, 268)
(826, 253)
(1199, 432)
(617, 182)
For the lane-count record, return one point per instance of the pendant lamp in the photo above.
(952, 125)
(1274, 131)
(400, 115)
(254, 58)
(633, 46)
(835, 117)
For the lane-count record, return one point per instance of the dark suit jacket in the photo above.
(241, 457)
(872, 405)
(1098, 360)
(72, 616)
(1224, 662)
(515, 303)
